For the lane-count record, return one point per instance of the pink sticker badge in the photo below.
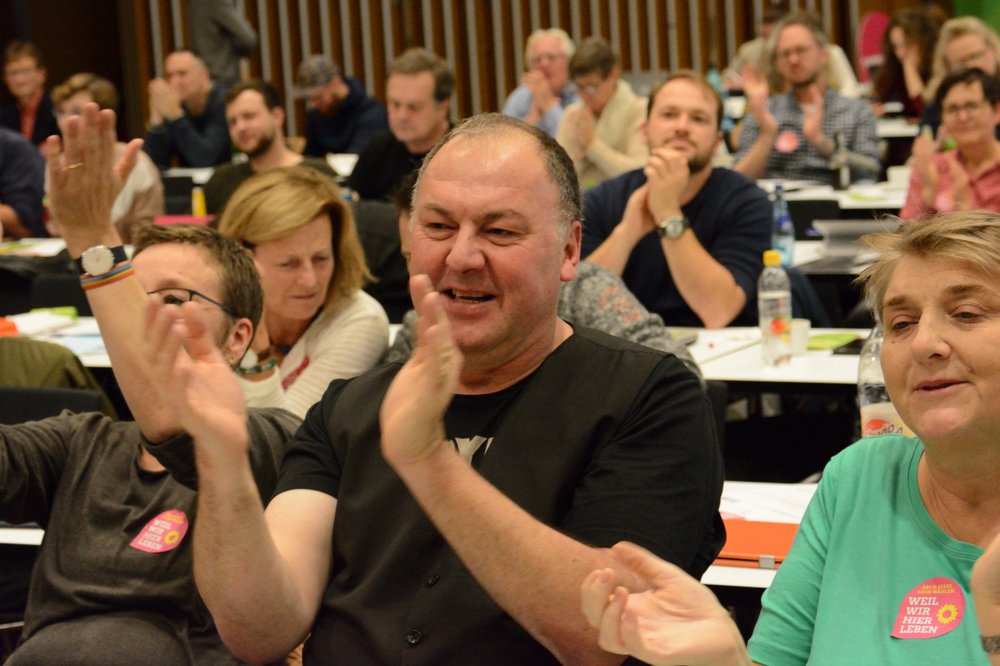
(931, 609)
(786, 142)
(164, 532)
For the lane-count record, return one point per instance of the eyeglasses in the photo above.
(66, 113)
(589, 88)
(969, 109)
(538, 59)
(19, 71)
(179, 296)
(797, 52)
(971, 60)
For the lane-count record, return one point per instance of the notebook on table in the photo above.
(756, 543)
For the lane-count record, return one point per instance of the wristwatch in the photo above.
(100, 259)
(672, 227)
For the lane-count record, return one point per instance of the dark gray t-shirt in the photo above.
(113, 583)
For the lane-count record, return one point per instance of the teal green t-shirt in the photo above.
(865, 543)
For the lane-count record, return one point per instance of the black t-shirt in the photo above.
(381, 166)
(605, 441)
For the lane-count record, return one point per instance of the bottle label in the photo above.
(881, 419)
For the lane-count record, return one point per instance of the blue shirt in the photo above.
(519, 103)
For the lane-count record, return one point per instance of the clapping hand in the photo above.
(812, 116)
(756, 90)
(195, 382)
(412, 413)
(677, 621)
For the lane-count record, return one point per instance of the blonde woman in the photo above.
(963, 43)
(318, 325)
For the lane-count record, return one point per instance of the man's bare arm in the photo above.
(261, 577)
(636, 222)
(491, 534)
(84, 181)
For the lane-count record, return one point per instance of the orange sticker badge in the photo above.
(786, 142)
(931, 609)
(163, 533)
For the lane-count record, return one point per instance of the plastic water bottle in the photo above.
(878, 415)
(783, 231)
(774, 307)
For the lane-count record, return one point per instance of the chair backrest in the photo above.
(803, 213)
(19, 404)
(54, 289)
(177, 194)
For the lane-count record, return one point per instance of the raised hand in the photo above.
(84, 178)
(677, 621)
(412, 413)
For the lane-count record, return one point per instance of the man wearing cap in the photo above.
(256, 115)
(187, 115)
(341, 116)
(418, 93)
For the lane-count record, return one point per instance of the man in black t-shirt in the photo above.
(447, 510)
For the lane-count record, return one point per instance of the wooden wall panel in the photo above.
(482, 39)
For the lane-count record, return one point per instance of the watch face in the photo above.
(672, 227)
(98, 260)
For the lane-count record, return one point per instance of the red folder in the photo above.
(756, 544)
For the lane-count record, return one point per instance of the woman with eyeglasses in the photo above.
(966, 177)
(964, 42)
(318, 325)
(142, 197)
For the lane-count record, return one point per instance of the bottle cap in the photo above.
(772, 258)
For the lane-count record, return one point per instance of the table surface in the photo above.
(814, 367)
(871, 196)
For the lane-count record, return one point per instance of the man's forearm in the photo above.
(10, 223)
(254, 599)
(706, 286)
(754, 163)
(494, 537)
(614, 252)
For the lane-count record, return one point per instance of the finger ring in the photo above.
(74, 165)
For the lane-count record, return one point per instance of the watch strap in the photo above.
(118, 254)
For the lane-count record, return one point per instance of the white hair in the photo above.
(564, 39)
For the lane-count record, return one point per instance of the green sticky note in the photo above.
(830, 340)
(61, 310)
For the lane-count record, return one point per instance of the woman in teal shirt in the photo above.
(880, 571)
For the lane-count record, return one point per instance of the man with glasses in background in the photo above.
(601, 132)
(545, 89)
(114, 577)
(795, 134)
(966, 177)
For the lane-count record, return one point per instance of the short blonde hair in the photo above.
(101, 90)
(274, 204)
(951, 30)
(970, 237)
